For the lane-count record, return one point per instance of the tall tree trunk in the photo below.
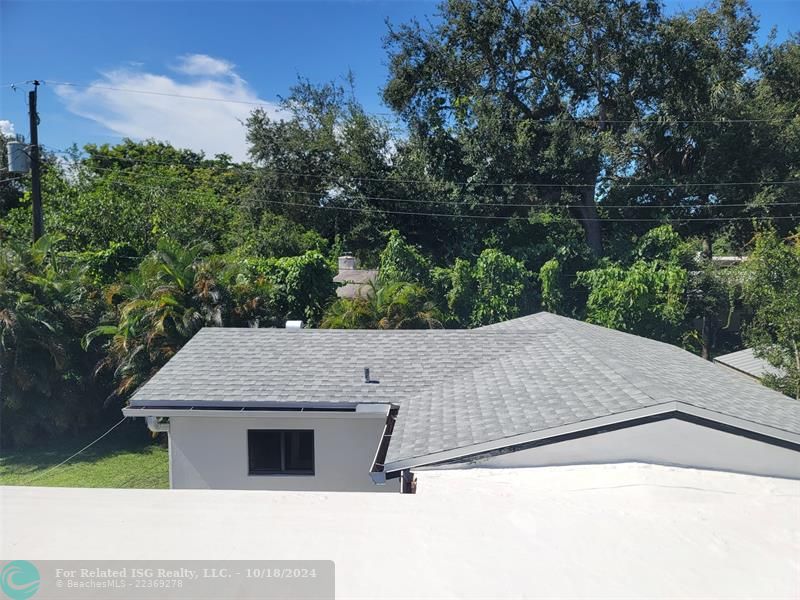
(705, 339)
(590, 219)
(708, 252)
(588, 210)
(708, 237)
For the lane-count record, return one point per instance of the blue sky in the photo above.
(250, 51)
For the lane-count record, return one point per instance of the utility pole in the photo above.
(36, 172)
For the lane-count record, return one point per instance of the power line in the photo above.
(507, 218)
(358, 196)
(256, 170)
(65, 461)
(15, 84)
(657, 119)
(371, 210)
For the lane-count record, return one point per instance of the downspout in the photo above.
(408, 482)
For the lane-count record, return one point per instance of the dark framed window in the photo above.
(280, 451)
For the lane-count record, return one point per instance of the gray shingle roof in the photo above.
(354, 290)
(746, 362)
(460, 388)
(356, 276)
(356, 282)
(225, 366)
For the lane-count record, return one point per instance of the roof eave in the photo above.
(664, 409)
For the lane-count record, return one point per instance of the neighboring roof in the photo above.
(728, 261)
(357, 282)
(746, 362)
(354, 290)
(579, 533)
(458, 389)
(356, 276)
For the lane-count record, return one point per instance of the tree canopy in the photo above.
(587, 158)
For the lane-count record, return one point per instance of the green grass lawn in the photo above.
(125, 458)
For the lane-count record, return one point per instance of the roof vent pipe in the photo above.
(294, 324)
(367, 378)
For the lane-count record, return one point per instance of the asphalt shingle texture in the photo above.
(460, 388)
(746, 362)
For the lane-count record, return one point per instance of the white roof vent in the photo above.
(294, 324)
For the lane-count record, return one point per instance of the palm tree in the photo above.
(387, 305)
(351, 313)
(175, 291)
(156, 311)
(45, 305)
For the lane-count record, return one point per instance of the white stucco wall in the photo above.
(667, 442)
(211, 452)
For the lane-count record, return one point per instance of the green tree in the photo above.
(273, 235)
(504, 288)
(461, 291)
(538, 92)
(46, 306)
(351, 313)
(777, 94)
(322, 164)
(552, 294)
(389, 305)
(400, 261)
(698, 140)
(303, 286)
(497, 288)
(135, 193)
(711, 300)
(156, 311)
(771, 288)
(646, 297)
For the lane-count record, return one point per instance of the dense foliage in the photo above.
(590, 159)
(771, 283)
(46, 306)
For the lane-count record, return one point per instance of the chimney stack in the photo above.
(347, 263)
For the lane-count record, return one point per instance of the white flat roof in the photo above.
(597, 531)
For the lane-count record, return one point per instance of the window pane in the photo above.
(299, 450)
(264, 449)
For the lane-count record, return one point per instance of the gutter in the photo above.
(377, 471)
(352, 412)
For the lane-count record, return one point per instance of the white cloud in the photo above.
(7, 128)
(211, 121)
(203, 64)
